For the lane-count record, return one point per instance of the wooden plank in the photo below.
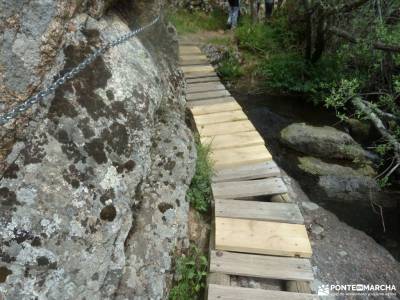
(298, 287)
(256, 210)
(207, 95)
(210, 109)
(188, 60)
(203, 87)
(197, 69)
(221, 117)
(261, 266)
(249, 188)
(220, 292)
(233, 140)
(200, 74)
(212, 101)
(192, 56)
(203, 79)
(261, 237)
(248, 172)
(229, 158)
(192, 62)
(225, 128)
(189, 50)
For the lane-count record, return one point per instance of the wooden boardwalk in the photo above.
(250, 237)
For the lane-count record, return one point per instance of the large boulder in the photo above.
(325, 142)
(345, 183)
(92, 195)
(318, 167)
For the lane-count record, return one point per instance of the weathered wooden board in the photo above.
(247, 172)
(229, 158)
(220, 292)
(221, 117)
(200, 74)
(249, 188)
(189, 50)
(225, 128)
(203, 79)
(261, 266)
(188, 60)
(257, 210)
(261, 237)
(215, 108)
(212, 101)
(193, 56)
(194, 69)
(207, 95)
(233, 140)
(204, 87)
(192, 62)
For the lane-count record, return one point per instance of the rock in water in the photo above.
(85, 181)
(325, 142)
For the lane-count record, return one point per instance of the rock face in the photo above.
(325, 142)
(92, 197)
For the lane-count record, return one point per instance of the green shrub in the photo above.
(192, 273)
(191, 22)
(260, 37)
(229, 68)
(199, 193)
(289, 72)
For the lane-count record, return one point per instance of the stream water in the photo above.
(270, 114)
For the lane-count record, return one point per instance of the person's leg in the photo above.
(229, 22)
(235, 16)
(269, 7)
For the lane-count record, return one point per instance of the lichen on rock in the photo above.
(79, 197)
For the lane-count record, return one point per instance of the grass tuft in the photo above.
(192, 22)
(199, 193)
(191, 271)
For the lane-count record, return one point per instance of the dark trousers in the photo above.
(269, 7)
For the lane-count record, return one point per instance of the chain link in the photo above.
(28, 103)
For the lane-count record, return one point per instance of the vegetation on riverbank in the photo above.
(341, 55)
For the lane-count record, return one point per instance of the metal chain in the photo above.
(20, 108)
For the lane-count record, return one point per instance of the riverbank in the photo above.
(336, 240)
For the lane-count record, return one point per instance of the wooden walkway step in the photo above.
(211, 101)
(261, 266)
(257, 210)
(222, 117)
(248, 188)
(187, 60)
(203, 79)
(235, 157)
(220, 292)
(189, 50)
(248, 238)
(225, 128)
(207, 95)
(247, 172)
(261, 237)
(215, 108)
(203, 87)
(233, 140)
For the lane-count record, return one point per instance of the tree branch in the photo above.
(349, 37)
(366, 109)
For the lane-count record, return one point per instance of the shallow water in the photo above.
(270, 114)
